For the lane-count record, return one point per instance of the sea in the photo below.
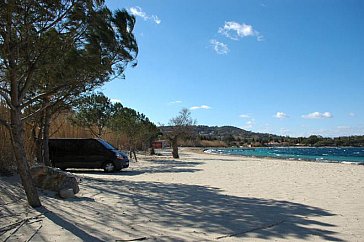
(351, 155)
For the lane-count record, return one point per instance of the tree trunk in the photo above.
(38, 143)
(9, 49)
(175, 148)
(136, 159)
(17, 133)
(151, 151)
(99, 131)
(47, 118)
(151, 147)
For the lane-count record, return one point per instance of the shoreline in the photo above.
(316, 160)
(199, 197)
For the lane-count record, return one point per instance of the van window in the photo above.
(94, 147)
(106, 145)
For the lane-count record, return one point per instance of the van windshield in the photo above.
(106, 145)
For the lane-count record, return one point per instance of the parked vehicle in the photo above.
(86, 153)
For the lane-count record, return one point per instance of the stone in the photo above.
(54, 179)
(66, 193)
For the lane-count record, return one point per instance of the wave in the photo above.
(345, 155)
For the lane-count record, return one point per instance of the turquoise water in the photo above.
(337, 154)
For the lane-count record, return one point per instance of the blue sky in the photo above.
(288, 67)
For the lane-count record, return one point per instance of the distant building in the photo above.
(274, 144)
(160, 144)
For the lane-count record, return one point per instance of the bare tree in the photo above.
(181, 127)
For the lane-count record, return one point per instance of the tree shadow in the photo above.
(157, 166)
(68, 225)
(169, 166)
(158, 210)
(9, 190)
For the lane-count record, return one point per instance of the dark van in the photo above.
(86, 153)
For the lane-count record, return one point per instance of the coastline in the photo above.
(201, 197)
(279, 157)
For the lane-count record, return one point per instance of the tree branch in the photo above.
(58, 19)
(252, 230)
(40, 96)
(4, 94)
(28, 80)
(36, 112)
(45, 107)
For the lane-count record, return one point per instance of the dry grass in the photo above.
(61, 127)
(212, 143)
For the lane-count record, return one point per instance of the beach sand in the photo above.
(200, 197)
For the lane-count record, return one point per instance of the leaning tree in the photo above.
(51, 50)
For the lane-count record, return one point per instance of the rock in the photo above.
(54, 179)
(66, 193)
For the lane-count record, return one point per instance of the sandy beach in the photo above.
(200, 197)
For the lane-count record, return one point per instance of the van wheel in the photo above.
(109, 166)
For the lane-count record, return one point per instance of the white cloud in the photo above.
(248, 125)
(343, 127)
(115, 100)
(317, 115)
(342, 130)
(138, 11)
(200, 107)
(352, 114)
(219, 47)
(156, 19)
(281, 115)
(175, 102)
(234, 31)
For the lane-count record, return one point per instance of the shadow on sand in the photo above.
(151, 208)
(120, 209)
(68, 225)
(157, 166)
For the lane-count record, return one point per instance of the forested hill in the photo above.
(233, 136)
(224, 132)
(229, 134)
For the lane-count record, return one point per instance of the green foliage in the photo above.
(97, 113)
(136, 126)
(94, 112)
(51, 51)
(229, 139)
(236, 136)
(59, 49)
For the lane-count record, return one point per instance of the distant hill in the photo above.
(221, 131)
(229, 134)
(233, 136)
